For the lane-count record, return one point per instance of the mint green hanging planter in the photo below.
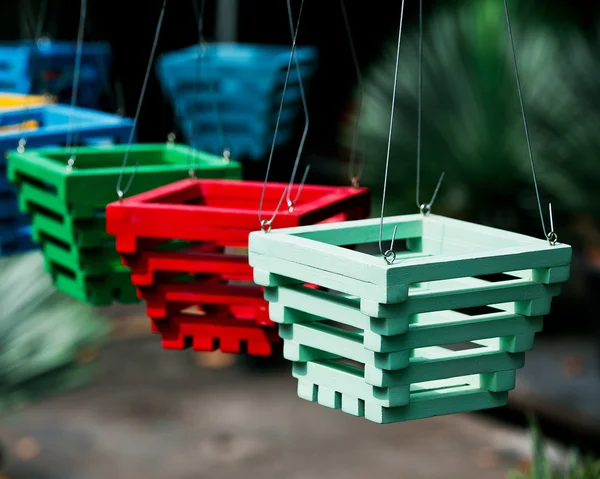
(380, 340)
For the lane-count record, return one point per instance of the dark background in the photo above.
(130, 26)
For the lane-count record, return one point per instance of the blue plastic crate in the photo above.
(14, 69)
(191, 103)
(240, 145)
(5, 185)
(245, 135)
(242, 122)
(55, 122)
(9, 206)
(15, 240)
(88, 127)
(237, 76)
(259, 86)
(245, 83)
(47, 66)
(233, 68)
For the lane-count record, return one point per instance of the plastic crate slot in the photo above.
(197, 86)
(437, 388)
(464, 346)
(345, 362)
(38, 183)
(496, 278)
(243, 346)
(10, 247)
(340, 326)
(36, 209)
(44, 238)
(16, 119)
(232, 128)
(57, 268)
(478, 310)
(6, 195)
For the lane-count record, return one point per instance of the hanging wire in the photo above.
(40, 26)
(121, 193)
(290, 202)
(425, 208)
(420, 105)
(550, 236)
(199, 12)
(108, 87)
(120, 98)
(266, 225)
(44, 37)
(389, 255)
(354, 174)
(104, 74)
(75, 90)
(36, 28)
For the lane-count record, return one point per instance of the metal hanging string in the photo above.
(40, 27)
(36, 28)
(107, 85)
(120, 98)
(266, 225)
(75, 90)
(354, 174)
(425, 208)
(121, 193)
(199, 12)
(550, 236)
(389, 254)
(290, 202)
(104, 75)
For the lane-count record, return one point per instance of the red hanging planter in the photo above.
(179, 242)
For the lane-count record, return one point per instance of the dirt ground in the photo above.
(155, 414)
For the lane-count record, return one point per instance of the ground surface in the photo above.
(157, 415)
(561, 380)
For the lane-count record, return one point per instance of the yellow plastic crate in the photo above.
(11, 101)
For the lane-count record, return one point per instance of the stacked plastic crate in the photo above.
(441, 330)
(67, 204)
(48, 125)
(16, 101)
(46, 66)
(186, 246)
(228, 95)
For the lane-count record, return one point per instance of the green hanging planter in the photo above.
(67, 207)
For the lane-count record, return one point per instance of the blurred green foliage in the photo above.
(46, 337)
(472, 125)
(576, 468)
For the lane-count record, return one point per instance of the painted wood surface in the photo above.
(441, 330)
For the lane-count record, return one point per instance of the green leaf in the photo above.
(472, 125)
(41, 329)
